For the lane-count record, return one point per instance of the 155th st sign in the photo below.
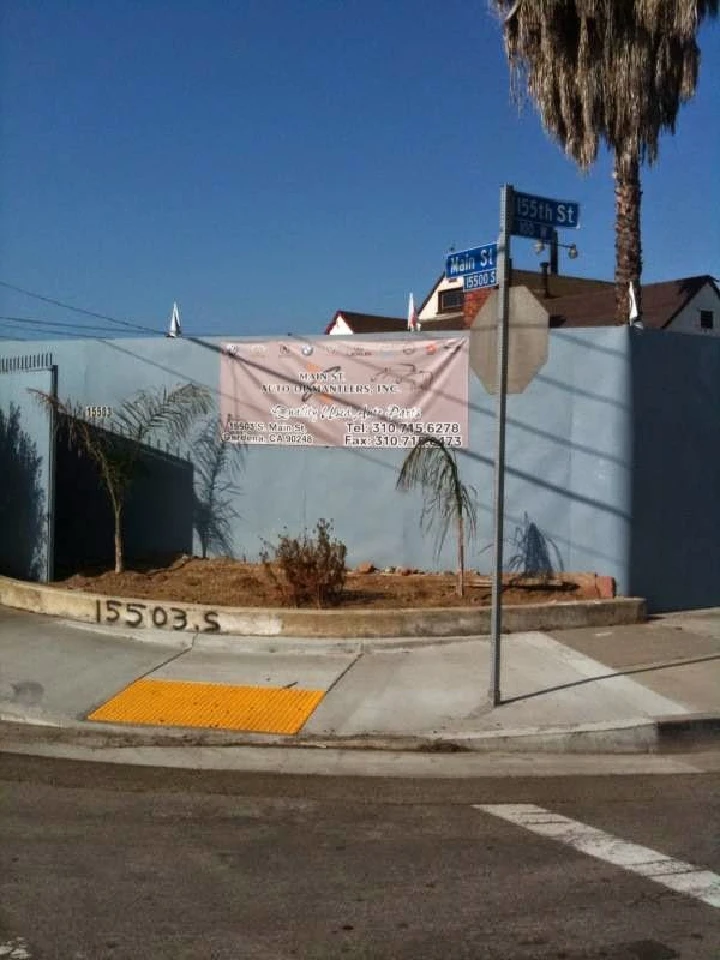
(537, 218)
(545, 211)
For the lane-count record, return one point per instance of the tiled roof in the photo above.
(368, 322)
(661, 303)
(451, 321)
(571, 302)
(557, 284)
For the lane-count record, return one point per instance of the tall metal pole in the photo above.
(504, 271)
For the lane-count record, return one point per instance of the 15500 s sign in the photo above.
(128, 614)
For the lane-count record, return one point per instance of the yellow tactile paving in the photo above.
(221, 706)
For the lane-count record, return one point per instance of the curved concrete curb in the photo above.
(660, 735)
(126, 612)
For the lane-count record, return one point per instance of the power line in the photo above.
(82, 310)
(364, 455)
(9, 335)
(42, 322)
(196, 339)
(60, 328)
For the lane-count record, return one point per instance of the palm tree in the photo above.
(433, 467)
(217, 466)
(615, 71)
(116, 448)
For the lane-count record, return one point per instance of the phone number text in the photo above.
(402, 441)
(382, 426)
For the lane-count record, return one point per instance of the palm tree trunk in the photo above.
(628, 253)
(460, 588)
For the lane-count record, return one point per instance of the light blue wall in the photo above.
(25, 471)
(567, 447)
(676, 481)
(567, 453)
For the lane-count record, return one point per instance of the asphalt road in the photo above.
(100, 861)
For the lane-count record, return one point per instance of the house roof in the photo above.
(555, 284)
(450, 321)
(558, 285)
(431, 291)
(570, 302)
(661, 303)
(368, 322)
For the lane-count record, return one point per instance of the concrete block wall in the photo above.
(567, 446)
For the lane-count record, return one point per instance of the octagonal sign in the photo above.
(527, 340)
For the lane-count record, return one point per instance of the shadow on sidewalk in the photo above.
(644, 668)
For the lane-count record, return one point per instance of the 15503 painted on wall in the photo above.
(130, 614)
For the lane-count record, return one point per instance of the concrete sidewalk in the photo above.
(630, 688)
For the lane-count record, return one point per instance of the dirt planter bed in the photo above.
(128, 613)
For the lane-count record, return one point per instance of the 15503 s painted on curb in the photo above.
(132, 614)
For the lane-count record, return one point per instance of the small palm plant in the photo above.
(116, 447)
(218, 466)
(433, 468)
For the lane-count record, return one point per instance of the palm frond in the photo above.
(117, 450)
(432, 467)
(218, 467)
(469, 502)
(68, 419)
(170, 411)
(615, 70)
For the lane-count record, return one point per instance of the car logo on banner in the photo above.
(307, 351)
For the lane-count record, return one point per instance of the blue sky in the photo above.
(267, 162)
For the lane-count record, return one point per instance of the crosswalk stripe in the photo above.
(675, 874)
(15, 949)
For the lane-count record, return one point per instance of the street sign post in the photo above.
(505, 266)
(526, 215)
(476, 260)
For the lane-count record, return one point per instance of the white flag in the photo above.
(412, 314)
(633, 303)
(175, 330)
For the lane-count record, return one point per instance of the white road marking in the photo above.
(15, 949)
(675, 874)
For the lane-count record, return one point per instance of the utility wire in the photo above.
(42, 322)
(82, 310)
(60, 328)
(11, 337)
(196, 339)
(469, 453)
